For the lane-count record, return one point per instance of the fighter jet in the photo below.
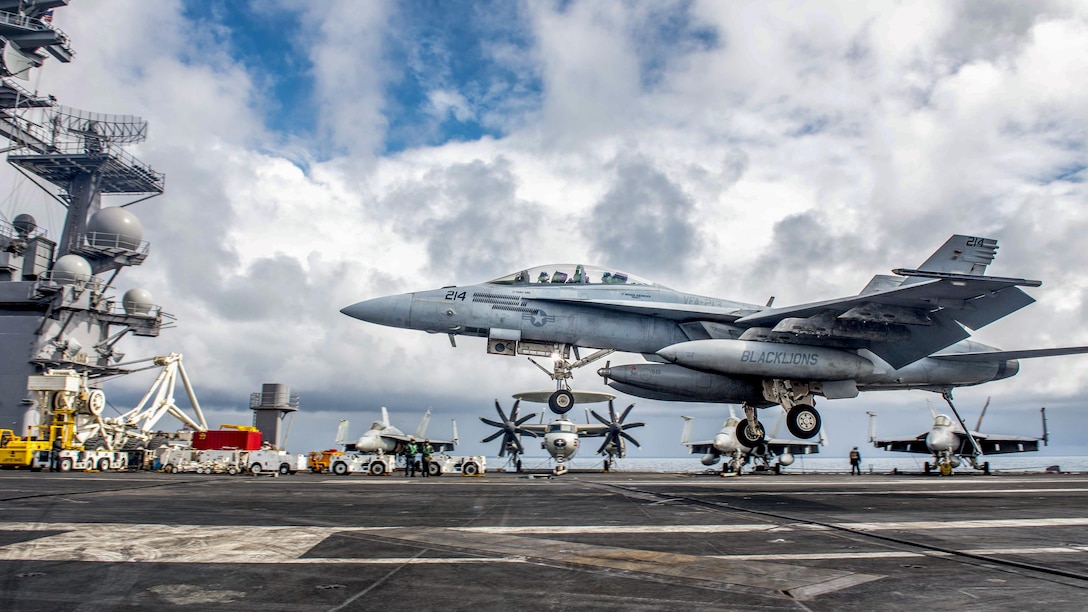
(382, 437)
(902, 331)
(949, 442)
(725, 444)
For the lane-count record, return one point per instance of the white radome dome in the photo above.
(137, 301)
(115, 227)
(71, 269)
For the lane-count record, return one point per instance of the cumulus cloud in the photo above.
(645, 221)
(739, 150)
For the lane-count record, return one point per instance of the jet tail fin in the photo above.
(978, 426)
(872, 426)
(385, 417)
(342, 432)
(685, 437)
(421, 431)
(960, 255)
(1046, 433)
(881, 282)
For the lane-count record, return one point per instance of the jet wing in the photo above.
(438, 445)
(992, 444)
(929, 311)
(662, 310)
(1005, 355)
(701, 448)
(794, 447)
(917, 444)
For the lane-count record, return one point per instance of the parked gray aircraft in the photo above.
(384, 438)
(948, 442)
(900, 332)
(725, 444)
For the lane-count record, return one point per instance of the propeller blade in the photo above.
(528, 432)
(626, 412)
(493, 423)
(502, 417)
(632, 425)
(628, 437)
(612, 411)
(604, 445)
(599, 418)
(493, 436)
(521, 421)
(514, 410)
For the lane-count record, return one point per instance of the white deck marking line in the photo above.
(1053, 550)
(561, 529)
(900, 525)
(969, 524)
(119, 542)
(403, 561)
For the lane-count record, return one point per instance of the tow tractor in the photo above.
(265, 461)
(320, 462)
(378, 464)
(465, 466)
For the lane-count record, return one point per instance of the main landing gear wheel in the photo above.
(749, 434)
(561, 401)
(803, 422)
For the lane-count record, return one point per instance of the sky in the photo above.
(321, 153)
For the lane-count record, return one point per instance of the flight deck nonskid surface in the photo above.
(585, 541)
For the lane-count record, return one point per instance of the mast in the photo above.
(57, 307)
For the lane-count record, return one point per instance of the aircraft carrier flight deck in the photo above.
(618, 541)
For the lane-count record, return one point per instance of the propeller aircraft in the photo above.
(562, 437)
(902, 331)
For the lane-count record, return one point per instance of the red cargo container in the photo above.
(215, 439)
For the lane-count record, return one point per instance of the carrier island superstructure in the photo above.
(59, 295)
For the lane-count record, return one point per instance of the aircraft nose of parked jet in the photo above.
(392, 310)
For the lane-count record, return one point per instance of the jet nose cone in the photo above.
(392, 310)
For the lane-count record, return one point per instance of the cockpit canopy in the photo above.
(561, 427)
(942, 421)
(567, 274)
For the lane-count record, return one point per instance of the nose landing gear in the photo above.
(562, 371)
